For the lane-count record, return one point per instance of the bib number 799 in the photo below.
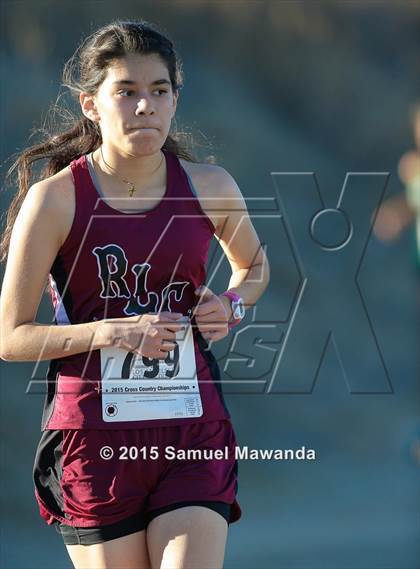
(136, 366)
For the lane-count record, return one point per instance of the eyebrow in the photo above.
(129, 82)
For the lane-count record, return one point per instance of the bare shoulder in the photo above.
(211, 178)
(56, 195)
(217, 191)
(55, 188)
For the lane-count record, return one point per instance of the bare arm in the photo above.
(36, 238)
(393, 217)
(35, 241)
(240, 243)
(244, 252)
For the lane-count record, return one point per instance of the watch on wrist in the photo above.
(237, 306)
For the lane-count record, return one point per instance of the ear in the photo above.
(89, 109)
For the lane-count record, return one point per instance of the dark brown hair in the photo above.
(74, 135)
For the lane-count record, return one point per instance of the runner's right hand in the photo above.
(151, 335)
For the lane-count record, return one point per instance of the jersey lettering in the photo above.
(112, 268)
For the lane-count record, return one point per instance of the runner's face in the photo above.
(145, 101)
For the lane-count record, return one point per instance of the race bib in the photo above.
(137, 388)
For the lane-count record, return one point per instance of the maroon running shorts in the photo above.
(97, 485)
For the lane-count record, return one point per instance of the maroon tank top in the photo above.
(116, 264)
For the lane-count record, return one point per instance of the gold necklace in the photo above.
(131, 187)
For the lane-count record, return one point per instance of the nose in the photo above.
(144, 106)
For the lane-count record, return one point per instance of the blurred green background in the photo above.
(273, 86)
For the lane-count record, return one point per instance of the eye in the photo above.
(130, 91)
(125, 91)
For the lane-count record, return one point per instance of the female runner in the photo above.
(119, 226)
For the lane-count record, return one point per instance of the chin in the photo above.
(145, 148)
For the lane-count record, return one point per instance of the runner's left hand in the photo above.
(212, 313)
